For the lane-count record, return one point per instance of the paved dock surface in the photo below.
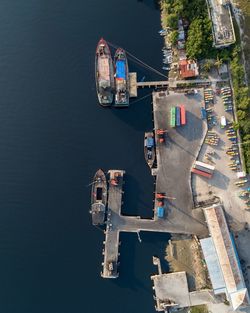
(111, 247)
(175, 158)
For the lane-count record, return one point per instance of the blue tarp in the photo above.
(150, 142)
(120, 69)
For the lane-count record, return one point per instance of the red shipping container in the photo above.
(183, 115)
(195, 171)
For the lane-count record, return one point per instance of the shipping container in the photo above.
(160, 212)
(203, 113)
(178, 116)
(204, 169)
(210, 167)
(195, 171)
(183, 115)
(172, 117)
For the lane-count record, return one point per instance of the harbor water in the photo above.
(53, 137)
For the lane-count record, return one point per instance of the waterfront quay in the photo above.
(172, 176)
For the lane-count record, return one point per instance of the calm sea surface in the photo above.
(53, 137)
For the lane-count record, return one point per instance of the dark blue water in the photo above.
(53, 137)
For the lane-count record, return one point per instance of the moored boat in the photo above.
(149, 148)
(98, 198)
(104, 72)
(121, 78)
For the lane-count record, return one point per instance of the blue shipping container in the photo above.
(150, 142)
(178, 116)
(203, 114)
(160, 212)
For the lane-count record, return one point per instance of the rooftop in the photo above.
(223, 30)
(188, 68)
(222, 259)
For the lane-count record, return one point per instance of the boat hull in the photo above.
(149, 148)
(104, 74)
(98, 198)
(121, 78)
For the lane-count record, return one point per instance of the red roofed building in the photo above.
(188, 68)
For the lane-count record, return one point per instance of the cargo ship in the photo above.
(121, 78)
(104, 71)
(98, 198)
(149, 148)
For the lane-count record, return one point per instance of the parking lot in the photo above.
(222, 184)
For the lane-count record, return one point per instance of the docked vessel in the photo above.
(98, 198)
(104, 71)
(121, 78)
(149, 148)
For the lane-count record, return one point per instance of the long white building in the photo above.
(222, 260)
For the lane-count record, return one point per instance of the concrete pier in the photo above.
(111, 243)
(173, 178)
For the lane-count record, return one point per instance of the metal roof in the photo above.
(213, 265)
(226, 256)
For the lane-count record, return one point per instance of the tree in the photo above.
(194, 39)
(172, 20)
(173, 37)
(241, 115)
(207, 66)
(218, 63)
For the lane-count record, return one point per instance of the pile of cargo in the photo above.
(177, 116)
(203, 169)
(245, 194)
(226, 95)
(212, 138)
(231, 134)
(241, 182)
(208, 111)
(208, 96)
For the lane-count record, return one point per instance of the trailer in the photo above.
(183, 115)
(203, 169)
(223, 122)
(208, 166)
(178, 116)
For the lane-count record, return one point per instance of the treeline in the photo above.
(199, 35)
(199, 45)
(242, 101)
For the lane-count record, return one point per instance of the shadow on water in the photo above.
(138, 114)
(134, 265)
(127, 269)
(153, 4)
(134, 200)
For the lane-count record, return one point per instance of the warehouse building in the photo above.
(222, 260)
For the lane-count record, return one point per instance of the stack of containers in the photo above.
(226, 95)
(203, 169)
(177, 116)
